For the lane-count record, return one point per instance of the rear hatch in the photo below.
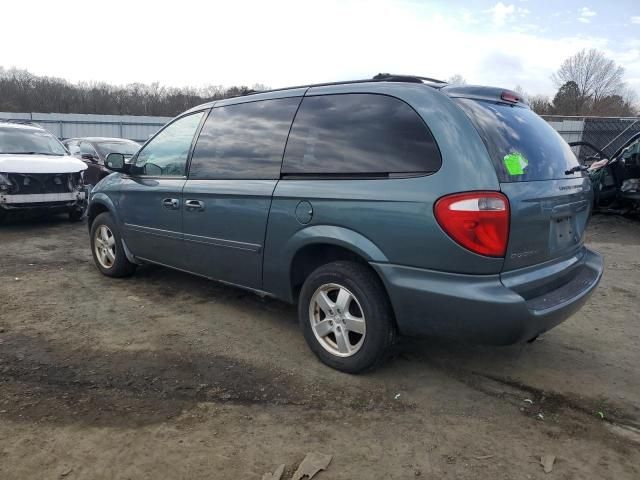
(550, 202)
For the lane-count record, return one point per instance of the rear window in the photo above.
(522, 145)
(355, 134)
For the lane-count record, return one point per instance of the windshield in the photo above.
(522, 145)
(29, 141)
(126, 148)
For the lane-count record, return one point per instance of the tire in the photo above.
(76, 214)
(119, 266)
(344, 347)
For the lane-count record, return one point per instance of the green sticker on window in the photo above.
(515, 163)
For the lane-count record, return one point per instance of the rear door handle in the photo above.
(194, 205)
(171, 203)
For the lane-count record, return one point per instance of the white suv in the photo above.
(38, 173)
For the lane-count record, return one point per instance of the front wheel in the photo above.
(107, 249)
(346, 317)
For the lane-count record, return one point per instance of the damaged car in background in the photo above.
(37, 173)
(615, 178)
(94, 150)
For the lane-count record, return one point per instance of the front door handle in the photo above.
(171, 203)
(194, 205)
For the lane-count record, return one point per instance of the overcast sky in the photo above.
(280, 43)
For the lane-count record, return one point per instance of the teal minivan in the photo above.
(395, 205)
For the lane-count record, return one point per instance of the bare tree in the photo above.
(622, 105)
(595, 75)
(630, 97)
(457, 79)
(540, 104)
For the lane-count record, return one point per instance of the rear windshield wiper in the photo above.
(577, 168)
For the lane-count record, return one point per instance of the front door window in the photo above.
(166, 154)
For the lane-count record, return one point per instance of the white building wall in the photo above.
(69, 125)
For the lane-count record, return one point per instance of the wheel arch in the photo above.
(318, 245)
(100, 203)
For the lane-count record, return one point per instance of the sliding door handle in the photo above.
(171, 203)
(194, 205)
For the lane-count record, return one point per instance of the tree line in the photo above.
(589, 84)
(21, 91)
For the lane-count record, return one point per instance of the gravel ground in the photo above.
(165, 375)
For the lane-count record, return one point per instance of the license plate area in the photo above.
(563, 233)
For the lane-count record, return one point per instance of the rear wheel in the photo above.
(107, 249)
(346, 317)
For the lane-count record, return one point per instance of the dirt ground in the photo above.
(165, 375)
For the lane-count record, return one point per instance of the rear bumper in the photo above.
(482, 308)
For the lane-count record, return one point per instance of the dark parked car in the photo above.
(94, 150)
(394, 205)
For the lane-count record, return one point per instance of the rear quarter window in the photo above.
(522, 146)
(355, 134)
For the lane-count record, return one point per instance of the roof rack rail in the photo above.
(380, 77)
(393, 77)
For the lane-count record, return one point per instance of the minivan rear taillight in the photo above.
(478, 221)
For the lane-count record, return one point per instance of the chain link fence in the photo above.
(606, 133)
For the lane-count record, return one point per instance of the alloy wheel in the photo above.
(337, 320)
(105, 246)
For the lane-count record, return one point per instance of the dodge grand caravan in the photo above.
(397, 205)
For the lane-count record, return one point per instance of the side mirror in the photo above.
(115, 162)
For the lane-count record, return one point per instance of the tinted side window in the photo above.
(166, 154)
(244, 141)
(359, 134)
(87, 149)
